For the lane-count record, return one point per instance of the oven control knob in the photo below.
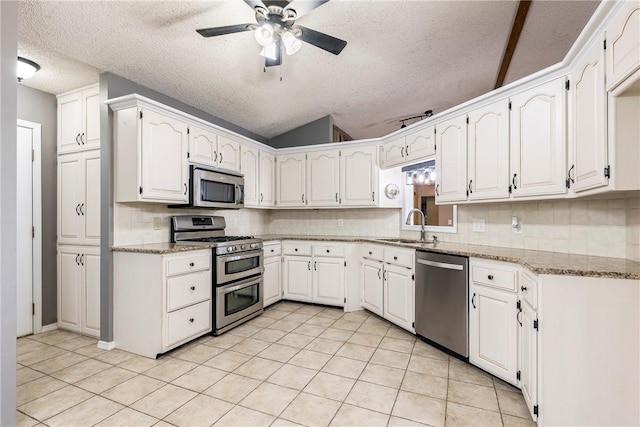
(230, 249)
(253, 245)
(235, 248)
(244, 246)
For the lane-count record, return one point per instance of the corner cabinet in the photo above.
(79, 120)
(451, 160)
(415, 146)
(623, 43)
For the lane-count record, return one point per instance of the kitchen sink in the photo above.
(416, 242)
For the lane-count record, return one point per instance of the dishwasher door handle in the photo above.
(441, 264)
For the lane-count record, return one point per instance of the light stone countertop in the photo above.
(538, 262)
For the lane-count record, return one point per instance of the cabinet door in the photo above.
(297, 278)
(528, 350)
(421, 144)
(328, 281)
(267, 179)
(323, 178)
(372, 291)
(358, 177)
(90, 137)
(291, 180)
(392, 152)
(451, 160)
(164, 158)
(90, 207)
(90, 307)
(69, 122)
(488, 146)
(588, 143)
(70, 185)
(398, 296)
(203, 146)
(493, 344)
(271, 278)
(538, 148)
(228, 154)
(250, 160)
(69, 288)
(623, 44)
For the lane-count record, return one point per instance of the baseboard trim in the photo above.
(48, 328)
(106, 345)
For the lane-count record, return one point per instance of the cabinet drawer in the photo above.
(188, 322)
(272, 250)
(403, 258)
(328, 250)
(372, 252)
(188, 289)
(188, 263)
(497, 277)
(294, 248)
(529, 288)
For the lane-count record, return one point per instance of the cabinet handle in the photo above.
(193, 288)
(336, 197)
(328, 251)
(315, 265)
(82, 209)
(261, 197)
(296, 249)
(569, 179)
(473, 300)
(185, 188)
(401, 151)
(309, 265)
(77, 139)
(191, 320)
(191, 264)
(215, 158)
(379, 271)
(373, 196)
(470, 190)
(220, 158)
(385, 274)
(518, 314)
(77, 209)
(523, 288)
(77, 262)
(395, 258)
(82, 140)
(490, 277)
(437, 188)
(406, 151)
(370, 253)
(82, 259)
(303, 198)
(513, 181)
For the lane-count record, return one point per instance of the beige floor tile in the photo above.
(80, 371)
(511, 421)
(54, 337)
(24, 375)
(196, 354)
(356, 351)
(258, 368)
(284, 325)
(200, 411)
(512, 404)
(278, 352)
(402, 422)
(91, 351)
(401, 334)
(419, 408)
(336, 334)
(349, 416)
(346, 325)
(163, 401)
(224, 341)
(133, 389)
(330, 386)
(40, 355)
(310, 359)
(87, 413)
(115, 357)
(289, 306)
(26, 345)
(77, 342)
(332, 313)
(423, 349)
(36, 389)
(298, 317)
(245, 330)
(464, 372)
(275, 314)
(390, 358)
(428, 385)
(261, 321)
(295, 340)
(356, 316)
(129, 418)
(311, 410)
(269, 398)
(498, 383)
(461, 415)
(365, 339)
(310, 309)
(59, 362)
(473, 395)
(324, 345)
(250, 346)
(373, 329)
(425, 365)
(170, 369)
(243, 417)
(227, 361)
(232, 388)
(23, 420)
(281, 422)
(269, 335)
(374, 319)
(344, 367)
(403, 346)
(105, 380)
(372, 396)
(292, 376)
(324, 322)
(200, 378)
(162, 423)
(140, 364)
(54, 403)
(382, 375)
(310, 330)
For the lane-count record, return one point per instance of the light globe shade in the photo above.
(264, 35)
(269, 52)
(26, 68)
(291, 43)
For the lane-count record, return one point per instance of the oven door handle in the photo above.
(226, 289)
(243, 255)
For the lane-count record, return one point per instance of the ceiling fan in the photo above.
(276, 28)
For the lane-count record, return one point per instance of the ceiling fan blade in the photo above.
(304, 6)
(220, 31)
(322, 40)
(255, 3)
(274, 62)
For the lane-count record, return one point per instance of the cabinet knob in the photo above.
(395, 258)
(191, 320)
(327, 250)
(370, 253)
(523, 288)
(272, 250)
(296, 249)
(490, 277)
(191, 264)
(193, 288)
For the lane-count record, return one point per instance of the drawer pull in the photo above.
(327, 250)
(273, 250)
(296, 249)
(395, 258)
(193, 288)
(523, 288)
(370, 253)
(191, 264)
(191, 320)
(490, 277)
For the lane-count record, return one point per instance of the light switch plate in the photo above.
(478, 225)
(157, 223)
(341, 222)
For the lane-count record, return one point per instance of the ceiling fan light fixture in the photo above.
(269, 52)
(292, 44)
(26, 68)
(264, 35)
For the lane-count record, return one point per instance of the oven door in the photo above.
(238, 266)
(238, 300)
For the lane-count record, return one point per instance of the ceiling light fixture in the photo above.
(291, 42)
(264, 35)
(26, 68)
(427, 113)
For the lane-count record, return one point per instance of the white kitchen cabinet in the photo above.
(399, 295)
(272, 276)
(328, 280)
(538, 142)
(528, 356)
(267, 179)
(251, 171)
(451, 160)
(170, 307)
(588, 141)
(212, 149)
(392, 152)
(79, 120)
(358, 176)
(79, 289)
(623, 43)
(228, 154)
(150, 157)
(79, 198)
(420, 144)
(323, 178)
(372, 286)
(488, 152)
(298, 278)
(290, 180)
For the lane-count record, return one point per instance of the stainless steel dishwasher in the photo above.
(442, 287)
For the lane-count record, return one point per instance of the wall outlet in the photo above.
(340, 222)
(234, 222)
(157, 223)
(478, 225)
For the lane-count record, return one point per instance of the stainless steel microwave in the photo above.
(214, 190)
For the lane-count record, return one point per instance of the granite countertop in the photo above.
(538, 262)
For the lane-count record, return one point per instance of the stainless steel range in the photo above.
(237, 268)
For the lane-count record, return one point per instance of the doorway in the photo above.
(29, 228)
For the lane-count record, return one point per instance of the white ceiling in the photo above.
(402, 57)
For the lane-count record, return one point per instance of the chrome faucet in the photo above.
(424, 220)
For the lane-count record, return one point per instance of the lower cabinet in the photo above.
(170, 306)
(272, 274)
(399, 296)
(528, 340)
(372, 286)
(79, 289)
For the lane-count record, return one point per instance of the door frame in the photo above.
(36, 198)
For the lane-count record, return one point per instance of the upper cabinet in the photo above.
(228, 154)
(290, 180)
(538, 147)
(267, 179)
(451, 160)
(208, 148)
(415, 146)
(323, 178)
(358, 177)
(258, 168)
(79, 120)
(623, 43)
(392, 152)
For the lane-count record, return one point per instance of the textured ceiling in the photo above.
(402, 57)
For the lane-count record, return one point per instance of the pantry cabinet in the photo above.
(623, 43)
(323, 178)
(358, 177)
(290, 180)
(79, 120)
(451, 160)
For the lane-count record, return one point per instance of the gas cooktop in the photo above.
(209, 231)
